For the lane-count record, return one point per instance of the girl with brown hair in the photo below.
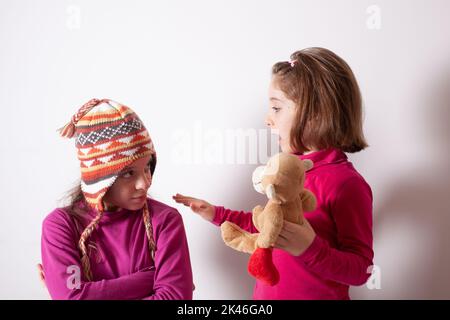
(316, 109)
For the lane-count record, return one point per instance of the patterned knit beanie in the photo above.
(109, 137)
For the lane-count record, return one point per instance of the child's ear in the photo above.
(308, 164)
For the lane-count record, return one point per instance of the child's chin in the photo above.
(134, 207)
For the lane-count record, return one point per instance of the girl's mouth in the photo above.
(141, 198)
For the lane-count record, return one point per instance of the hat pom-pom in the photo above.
(68, 130)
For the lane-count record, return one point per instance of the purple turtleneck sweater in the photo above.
(121, 264)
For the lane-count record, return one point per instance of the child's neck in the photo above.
(110, 208)
(309, 151)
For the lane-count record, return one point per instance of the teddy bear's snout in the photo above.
(257, 177)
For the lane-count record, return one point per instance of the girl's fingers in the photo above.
(182, 200)
(41, 272)
(281, 243)
(186, 202)
(195, 204)
(180, 196)
(291, 227)
(284, 234)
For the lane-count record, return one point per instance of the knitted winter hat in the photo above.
(109, 137)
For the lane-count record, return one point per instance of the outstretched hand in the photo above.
(201, 207)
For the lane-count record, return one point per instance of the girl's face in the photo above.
(280, 116)
(129, 191)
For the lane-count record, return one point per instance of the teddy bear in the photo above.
(282, 181)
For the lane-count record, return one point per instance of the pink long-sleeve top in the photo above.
(121, 264)
(341, 252)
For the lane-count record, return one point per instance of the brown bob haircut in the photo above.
(328, 100)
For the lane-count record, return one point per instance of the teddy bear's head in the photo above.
(282, 178)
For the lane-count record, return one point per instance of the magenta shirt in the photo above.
(342, 249)
(122, 266)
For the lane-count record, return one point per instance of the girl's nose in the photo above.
(268, 121)
(144, 182)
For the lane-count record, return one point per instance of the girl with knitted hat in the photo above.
(112, 241)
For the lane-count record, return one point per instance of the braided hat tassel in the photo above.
(68, 131)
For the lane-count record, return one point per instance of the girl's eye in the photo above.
(275, 109)
(127, 174)
(148, 167)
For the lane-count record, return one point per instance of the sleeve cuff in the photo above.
(311, 253)
(218, 215)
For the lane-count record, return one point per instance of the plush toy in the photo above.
(281, 180)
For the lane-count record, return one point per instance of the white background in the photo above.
(179, 64)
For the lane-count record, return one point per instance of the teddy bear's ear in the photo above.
(271, 193)
(308, 164)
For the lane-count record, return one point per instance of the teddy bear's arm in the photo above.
(272, 223)
(308, 200)
(237, 238)
(256, 216)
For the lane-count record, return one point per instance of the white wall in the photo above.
(186, 64)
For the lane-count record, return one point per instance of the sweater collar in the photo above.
(110, 215)
(323, 157)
